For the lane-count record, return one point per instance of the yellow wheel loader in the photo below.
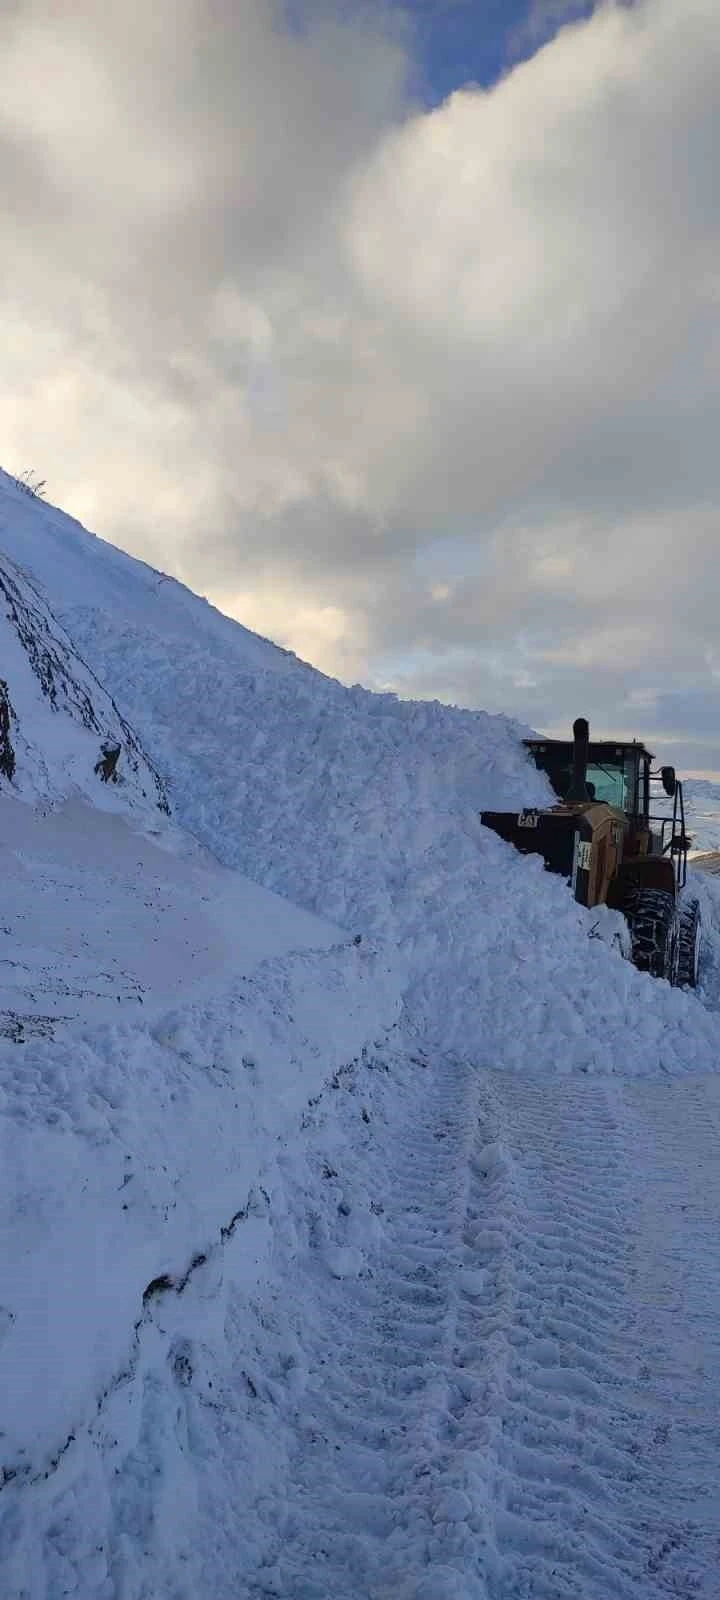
(603, 838)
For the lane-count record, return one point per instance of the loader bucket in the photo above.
(550, 834)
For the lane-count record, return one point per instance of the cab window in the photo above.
(608, 782)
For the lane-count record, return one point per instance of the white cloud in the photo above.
(430, 396)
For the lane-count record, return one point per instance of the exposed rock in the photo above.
(47, 672)
(106, 767)
(7, 753)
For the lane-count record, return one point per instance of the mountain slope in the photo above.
(60, 732)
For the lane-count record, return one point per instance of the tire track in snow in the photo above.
(364, 1492)
(569, 1475)
(341, 1365)
(442, 1392)
(674, 1128)
(462, 1427)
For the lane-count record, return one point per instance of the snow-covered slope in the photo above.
(60, 732)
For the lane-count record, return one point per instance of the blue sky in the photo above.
(461, 41)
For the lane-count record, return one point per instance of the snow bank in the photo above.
(127, 1151)
(163, 1023)
(365, 809)
(99, 919)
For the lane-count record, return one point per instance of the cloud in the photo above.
(430, 396)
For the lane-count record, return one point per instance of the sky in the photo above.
(454, 43)
(392, 330)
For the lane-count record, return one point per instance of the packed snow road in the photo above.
(483, 1359)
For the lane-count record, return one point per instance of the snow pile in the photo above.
(364, 809)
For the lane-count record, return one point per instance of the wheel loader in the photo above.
(602, 837)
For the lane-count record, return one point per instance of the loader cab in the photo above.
(620, 773)
(617, 773)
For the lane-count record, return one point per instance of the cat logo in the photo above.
(528, 819)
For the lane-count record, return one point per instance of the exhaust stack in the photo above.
(577, 793)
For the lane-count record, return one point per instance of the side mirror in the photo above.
(667, 775)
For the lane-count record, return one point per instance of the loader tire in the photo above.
(690, 942)
(654, 933)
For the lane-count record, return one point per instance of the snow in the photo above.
(384, 799)
(359, 1200)
(98, 914)
(131, 1140)
(702, 805)
(62, 722)
(388, 1433)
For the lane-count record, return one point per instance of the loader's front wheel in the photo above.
(652, 918)
(690, 942)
